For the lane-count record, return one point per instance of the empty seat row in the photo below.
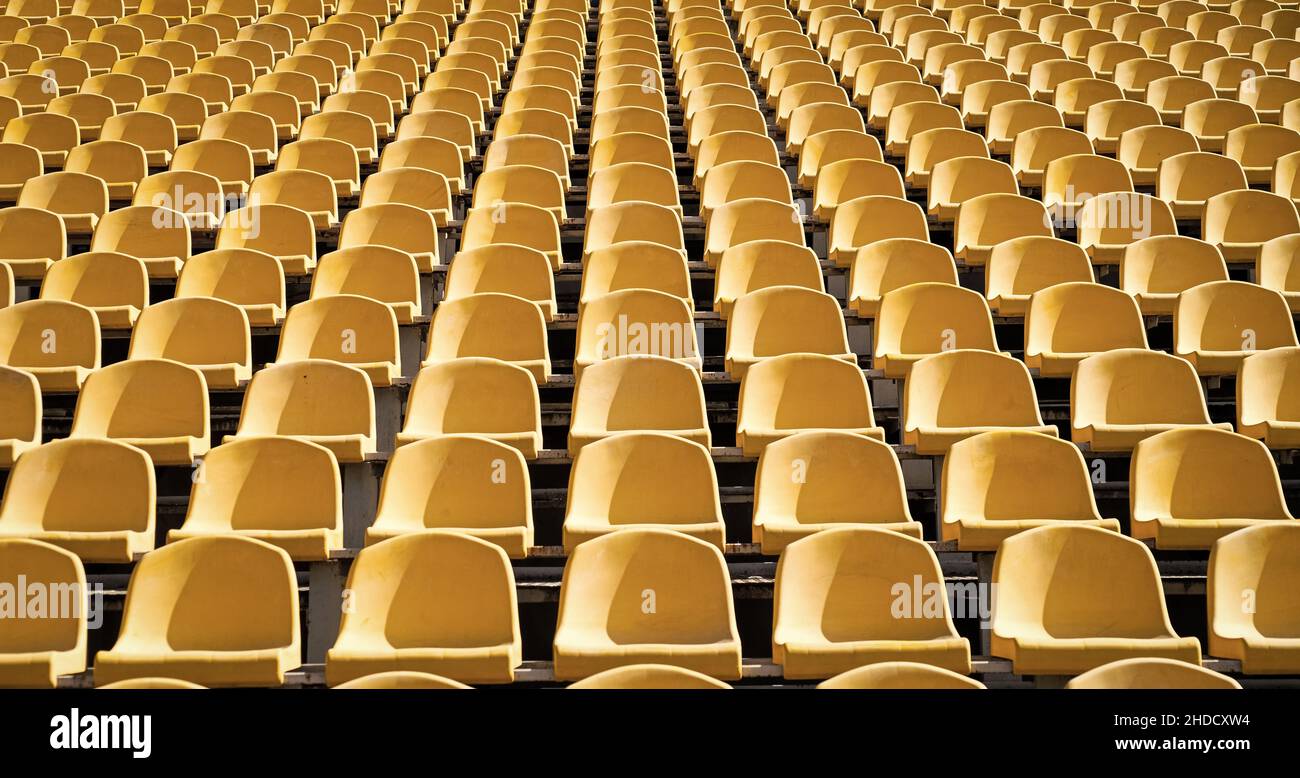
(654, 596)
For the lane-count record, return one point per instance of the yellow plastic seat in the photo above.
(998, 484)
(1151, 673)
(1157, 269)
(890, 264)
(205, 333)
(157, 405)
(864, 220)
(346, 328)
(316, 400)
(301, 86)
(305, 190)
(909, 119)
(90, 111)
(833, 467)
(407, 228)
(491, 324)
(1071, 180)
(843, 180)
(1123, 396)
(1075, 98)
(1021, 59)
(1171, 95)
(34, 652)
(956, 394)
(1284, 177)
(1107, 120)
(334, 158)
(984, 222)
(80, 199)
(228, 161)
(1069, 322)
(1257, 148)
(158, 236)
(372, 105)
(170, 628)
(1218, 324)
(739, 180)
(629, 118)
(755, 265)
(835, 605)
(396, 626)
(957, 180)
(33, 92)
(649, 676)
(256, 131)
(378, 273)
(791, 393)
(424, 189)
(94, 498)
(901, 675)
(507, 268)
(1211, 119)
(476, 396)
(630, 182)
(732, 146)
(540, 98)
(281, 491)
(1191, 56)
(636, 220)
(1134, 76)
(114, 286)
(823, 150)
(979, 99)
(53, 135)
(782, 319)
(1071, 598)
(55, 341)
(154, 132)
(886, 97)
(1275, 54)
(1241, 221)
(679, 610)
(747, 219)
(528, 150)
(525, 184)
(251, 279)
(1187, 181)
(120, 165)
(18, 164)
(455, 483)
(283, 231)
(1019, 267)
(20, 424)
(638, 392)
(921, 319)
(1190, 487)
(635, 321)
(214, 89)
(447, 125)
(1268, 95)
(1105, 57)
(1143, 151)
(617, 484)
(631, 147)
(1035, 148)
(512, 222)
(1266, 398)
(1258, 563)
